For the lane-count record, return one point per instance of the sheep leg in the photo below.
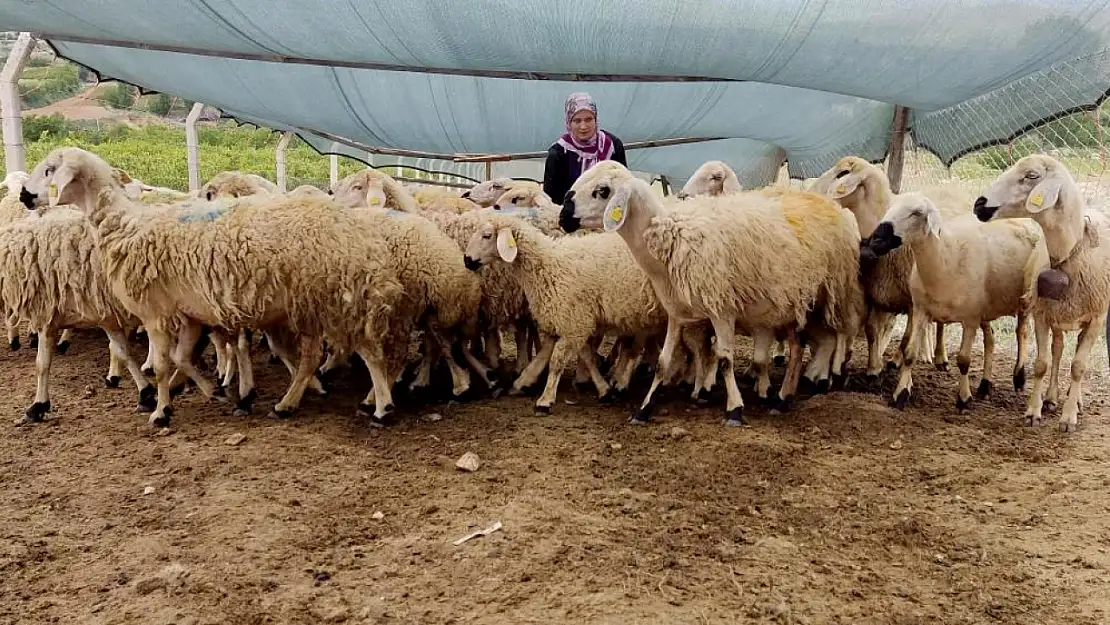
(460, 377)
(423, 377)
(45, 354)
(1023, 351)
(480, 368)
(589, 356)
(986, 382)
(493, 348)
(674, 329)
(280, 343)
(1069, 419)
(789, 386)
(64, 341)
(725, 330)
(918, 321)
(1035, 405)
(187, 338)
(622, 376)
(521, 338)
(310, 352)
(963, 361)
(817, 374)
(114, 366)
(13, 332)
(762, 341)
(564, 349)
(532, 372)
(841, 355)
(940, 349)
(247, 394)
(160, 345)
(148, 364)
(117, 347)
(582, 374)
(381, 394)
(877, 328)
(1053, 395)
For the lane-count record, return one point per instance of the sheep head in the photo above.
(844, 178)
(68, 175)
(912, 216)
(234, 184)
(372, 188)
(523, 197)
(712, 178)
(599, 198)
(486, 193)
(492, 240)
(1036, 186)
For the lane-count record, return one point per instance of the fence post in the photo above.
(14, 156)
(897, 152)
(191, 145)
(281, 146)
(333, 170)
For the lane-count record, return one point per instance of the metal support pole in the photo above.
(14, 157)
(281, 147)
(333, 169)
(192, 145)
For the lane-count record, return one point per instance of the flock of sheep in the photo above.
(375, 269)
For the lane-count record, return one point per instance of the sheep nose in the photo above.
(466, 194)
(980, 202)
(27, 198)
(472, 264)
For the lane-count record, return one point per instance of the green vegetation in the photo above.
(45, 84)
(156, 154)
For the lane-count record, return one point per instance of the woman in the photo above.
(582, 145)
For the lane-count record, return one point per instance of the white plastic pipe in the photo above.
(14, 156)
(192, 145)
(281, 147)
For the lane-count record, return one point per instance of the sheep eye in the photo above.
(842, 174)
(602, 192)
(487, 236)
(514, 200)
(1032, 175)
(716, 178)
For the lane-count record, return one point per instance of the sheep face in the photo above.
(911, 216)
(488, 243)
(360, 190)
(59, 178)
(598, 198)
(712, 178)
(1028, 188)
(522, 198)
(487, 192)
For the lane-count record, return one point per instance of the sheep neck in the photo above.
(932, 262)
(642, 207)
(535, 260)
(1062, 236)
(869, 204)
(89, 191)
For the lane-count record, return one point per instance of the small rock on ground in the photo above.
(469, 462)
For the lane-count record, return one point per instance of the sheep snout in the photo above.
(472, 264)
(27, 198)
(982, 211)
(883, 240)
(567, 221)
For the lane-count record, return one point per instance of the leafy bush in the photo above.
(119, 95)
(43, 85)
(160, 104)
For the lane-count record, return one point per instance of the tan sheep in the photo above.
(297, 264)
(1068, 278)
(760, 259)
(713, 178)
(865, 190)
(964, 272)
(236, 184)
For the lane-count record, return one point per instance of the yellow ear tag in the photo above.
(512, 240)
(616, 213)
(840, 188)
(1037, 199)
(375, 201)
(52, 193)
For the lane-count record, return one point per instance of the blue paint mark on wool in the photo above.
(210, 215)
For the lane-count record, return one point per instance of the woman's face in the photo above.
(583, 125)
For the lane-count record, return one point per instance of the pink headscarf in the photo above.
(599, 147)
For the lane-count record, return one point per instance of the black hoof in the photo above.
(37, 410)
(642, 415)
(963, 405)
(735, 417)
(704, 397)
(219, 391)
(1030, 421)
(609, 397)
(163, 421)
(149, 371)
(178, 390)
(148, 399)
(941, 366)
(1019, 380)
(839, 382)
(245, 404)
(685, 388)
(274, 360)
(112, 381)
(985, 389)
(779, 360)
(1049, 407)
(33, 340)
(61, 348)
(807, 386)
(281, 414)
(891, 365)
(781, 406)
(903, 397)
(822, 387)
(872, 380)
(542, 411)
(262, 342)
(14, 344)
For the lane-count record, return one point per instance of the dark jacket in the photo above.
(562, 168)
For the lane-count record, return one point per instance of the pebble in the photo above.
(235, 439)
(615, 446)
(896, 444)
(678, 432)
(432, 418)
(469, 462)
(378, 516)
(149, 490)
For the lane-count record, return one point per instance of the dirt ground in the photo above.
(844, 511)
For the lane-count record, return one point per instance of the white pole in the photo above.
(333, 170)
(14, 158)
(281, 146)
(191, 145)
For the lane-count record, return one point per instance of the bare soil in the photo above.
(844, 511)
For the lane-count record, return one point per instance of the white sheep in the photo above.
(763, 259)
(865, 190)
(713, 178)
(484, 194)
(964, 272)
(298, 264)
(51, 277)
(1068, 277)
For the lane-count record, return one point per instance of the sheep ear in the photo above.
(845, 186)
(1043, 196)
(932, 223)
(616, 211)
(506, 245)
(375, 196)
(58, 182)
